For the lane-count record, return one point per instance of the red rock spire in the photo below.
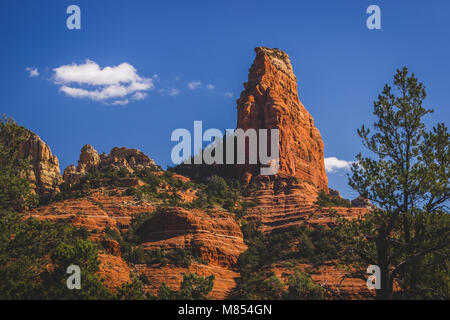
(270, 100)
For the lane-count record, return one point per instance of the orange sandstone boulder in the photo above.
(215, 236)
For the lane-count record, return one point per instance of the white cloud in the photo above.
(139, 95)
(194, 85)
(32, 71)
(91, 73)
(104, 84)
(229, 94)
(120, 102)
(333, 164)
(173, 92)
(210, 86)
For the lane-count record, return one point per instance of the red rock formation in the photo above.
(119, 158)
(97, 211)
(130, 159)
(113, 270)
(283, 211)
(215, 236)
(89, 158)
(111, 246)
(270, 100)
(45, 176)
(70, 174)
(172, 276)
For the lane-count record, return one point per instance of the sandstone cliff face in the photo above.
(283, 202)
(45, 176)
(96, 212)
(215, 236)
(270, 101)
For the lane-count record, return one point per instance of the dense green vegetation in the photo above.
(267, 286)
(216, 192)
(162, 188)
(329, 201)
(193, 287)
(219, 187)
(14, 187)
(34, 255)
(94, 178)
(296, 245)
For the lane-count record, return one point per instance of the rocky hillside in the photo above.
(160, 224)
(106, 193)
(118, 158)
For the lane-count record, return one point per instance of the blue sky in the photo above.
(340, 64)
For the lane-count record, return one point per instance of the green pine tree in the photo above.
(406, 176)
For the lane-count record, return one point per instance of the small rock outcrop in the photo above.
(130, 159)
(118, 158)
(71, 175)
(44, 175)
(270, 101)
(361, 202)
(334, 193)
(89, 158)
